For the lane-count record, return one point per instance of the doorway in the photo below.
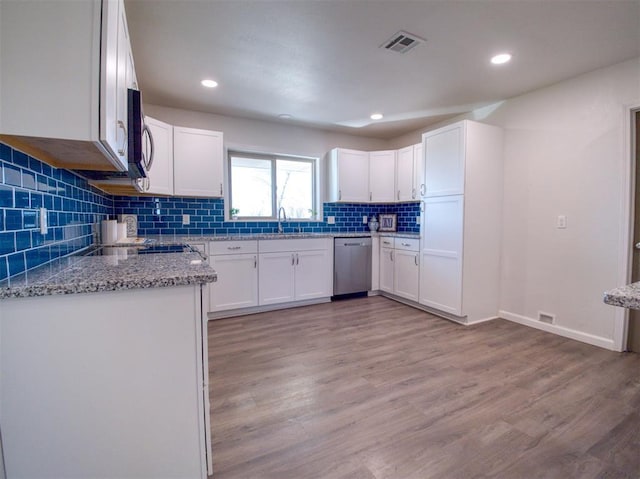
(633, 335)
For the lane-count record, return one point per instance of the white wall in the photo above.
(269, 137)
(565, 155)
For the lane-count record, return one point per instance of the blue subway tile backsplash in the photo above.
(207, 217)
(74, 209)
(26, 185)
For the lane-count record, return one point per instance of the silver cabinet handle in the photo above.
(293, 259)
(416, 259)
(405, 244)
(413, 193)
(149, 161)
(220, 189)
(391, 255)
(255, 261)
(370, 196)
(423, 189)
(339, 194)
(297, 259)
(386, 242)
(234, 247)
(122, 151)
(398, 195)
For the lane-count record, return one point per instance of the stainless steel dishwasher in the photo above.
(351, 265)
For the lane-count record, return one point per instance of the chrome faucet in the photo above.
(281, 219)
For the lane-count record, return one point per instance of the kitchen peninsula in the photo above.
(104, 370)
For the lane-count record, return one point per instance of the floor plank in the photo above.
(372, 389)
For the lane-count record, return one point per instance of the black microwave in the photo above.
(139, 157)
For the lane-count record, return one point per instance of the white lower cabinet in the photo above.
(400, 267)
(277, 277)
(236, 263)
(300, 271)
(254, 273)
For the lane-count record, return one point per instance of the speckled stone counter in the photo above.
(121, 270)
(170, 240)
(625, 296)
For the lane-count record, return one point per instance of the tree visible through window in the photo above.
(261, 184)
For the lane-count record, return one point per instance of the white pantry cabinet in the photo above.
(160, 176)
(461, 220)
(382, 176)
(348, 176)
(236, 263)
(294, 270)
(79, 120)
(198, 158)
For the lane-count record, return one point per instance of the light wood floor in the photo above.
(372, 389)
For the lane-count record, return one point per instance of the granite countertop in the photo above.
(624, 296)
(122, 270)
(177, 239)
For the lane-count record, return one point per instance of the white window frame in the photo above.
(256, 154)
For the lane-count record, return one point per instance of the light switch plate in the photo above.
(561, 222)
(365, 220)
(186, 219)
(331, 220)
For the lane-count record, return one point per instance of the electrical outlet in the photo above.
(186, 219)
(561, 222)
(331, 220)
(417, 220)
(365, 220)
(44, 221)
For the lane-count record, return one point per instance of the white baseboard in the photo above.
(559, 330)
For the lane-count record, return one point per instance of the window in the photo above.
(262, 184)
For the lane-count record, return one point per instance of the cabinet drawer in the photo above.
(386, 242)
(298, 244)
(407, 244)
(233, 247)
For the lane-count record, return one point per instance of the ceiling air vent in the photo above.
(402, 42)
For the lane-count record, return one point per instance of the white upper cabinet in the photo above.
(348, 176)
(444, 161)
(408, 168)
(382, 176)
(160, 176)
(79, 119)
(198, 159)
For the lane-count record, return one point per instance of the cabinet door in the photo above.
(386, 269)
(124, 51)
(161, 172)
(353, 176)
(441, 254)
(109, 89)
(406, 274)
(276, 274)
(382, 176)
(313, 275)
(444, 161)
(418, 171)
(237, 285)
(198, 162)
(405, 185)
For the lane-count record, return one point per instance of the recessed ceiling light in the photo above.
(500, 58)
(209, 83)
(284, 116)
(377, 116)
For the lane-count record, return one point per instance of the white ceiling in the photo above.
(320, 61)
